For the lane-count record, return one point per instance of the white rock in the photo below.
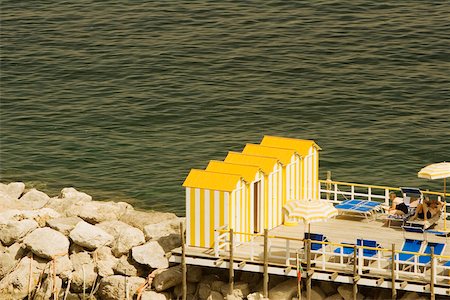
(64, 225)
(125, 236)
(215, 296)
(35, 198)
(63, 267)
(115, 287)
(90, 236)
(240, 291)
(15, 285)
(10, 257)
(47, 243)
(140, 219)
(9, 215)
(41, 216)
(14, 231)
(96, 212)
(83, 274)
(164, 228)
(126, 266)
(73, 194)
(150, 254)
(13, 189)
(105, 261)
(346, 292)
(151, 295)
(285, 290)
(255, 296)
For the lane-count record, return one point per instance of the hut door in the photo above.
(256, 204)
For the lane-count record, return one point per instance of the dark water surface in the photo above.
(121, 99)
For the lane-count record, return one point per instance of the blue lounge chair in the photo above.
(316, 237)
(364, 208)
(347, 251)
(407, 260)
(438, 249)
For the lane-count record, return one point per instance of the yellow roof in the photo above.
(247, 172)
(301, 146)
(211, 180)
(265, 163)
(283, 155)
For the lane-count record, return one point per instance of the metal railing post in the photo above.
(231, 271)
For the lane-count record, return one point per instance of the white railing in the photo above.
(326, 259)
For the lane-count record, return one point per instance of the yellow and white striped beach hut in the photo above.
(291, 162)
(271, 214)
(255, 180)
(212, 200)
(309, 152)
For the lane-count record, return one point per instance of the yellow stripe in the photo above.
(212, 197)
(222, 208)
(202, 218)
(192, 216)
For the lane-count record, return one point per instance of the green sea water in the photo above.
(122, 99)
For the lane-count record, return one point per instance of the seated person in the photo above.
(398, 207)
(427, 209)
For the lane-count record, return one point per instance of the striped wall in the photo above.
(274, 200)
(292, 179)
(209, 209)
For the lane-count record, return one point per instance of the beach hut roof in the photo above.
(265, 163)
(211, 180)
(283, 155)
(301, 146)
(247, 172)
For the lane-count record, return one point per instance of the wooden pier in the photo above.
(283, 243)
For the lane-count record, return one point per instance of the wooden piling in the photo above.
(266, 264)
(394, 291)
(432, 274)
(183, 262)
(355, 272)
(231, 273)
(328, 184)
(308, 269)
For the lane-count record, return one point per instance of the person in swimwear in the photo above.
(427, 209)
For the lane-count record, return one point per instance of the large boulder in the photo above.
(64, 225)
(140, 219)
(346, 292)
(48, 288)
(116, 286)
(10, 257)
(240, 291)
(285, 290)
(22, 279)
(150, 254)
(47, 243)
(151, 295)
(83, 275)
(63, 267)
(41, 216)
(168, 278)
(72, 194)
(95, 212)
(90, 236)
(13, 189)
(105, 261)
(194, 274)
(36, 199)
(9, 215)
(164, 228)
(14, 231)
(125, 236)
(191, 288)
(170, 242)
(125, 265)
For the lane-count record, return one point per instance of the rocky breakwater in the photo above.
(76, 248)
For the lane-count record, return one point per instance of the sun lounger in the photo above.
(425, 260)
(363, 208)
(413, 248)
(317, 248)
(408, 194)
(347, 251)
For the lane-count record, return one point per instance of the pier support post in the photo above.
(394, 291)
(231, 273)
(432, 274)
(183, 262)
(308, 269)
(266, 265)
(355, 272)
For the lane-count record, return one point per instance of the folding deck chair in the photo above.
(364, 208)
(407, 259)
(408, 194)
(347, 251)
(316, 248)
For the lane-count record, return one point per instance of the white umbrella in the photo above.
(437, 171)
(308, 211)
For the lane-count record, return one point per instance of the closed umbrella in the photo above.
(438, 171)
